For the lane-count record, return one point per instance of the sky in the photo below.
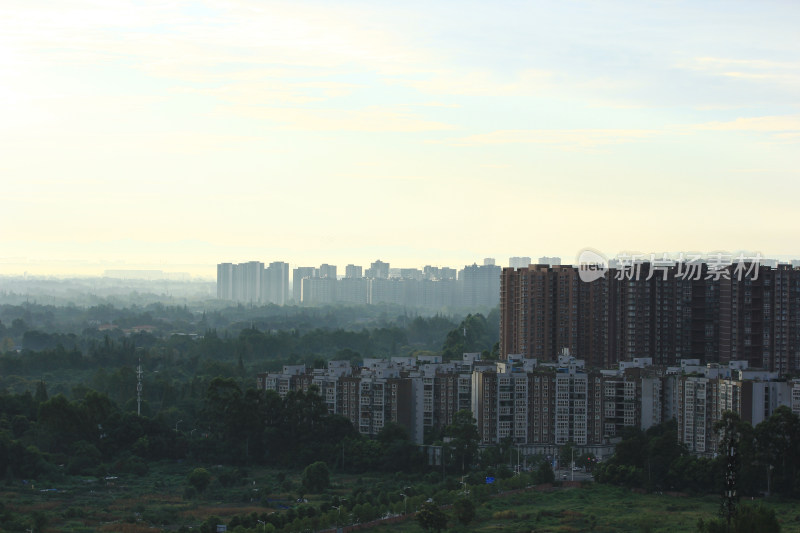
(179, 134)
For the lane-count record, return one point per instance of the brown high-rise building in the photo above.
(539, 311)
(665, 315)
(760, 319)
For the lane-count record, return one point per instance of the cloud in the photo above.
(370, 119)
(725, 63)
(477, 83)
(583, 138)
(769, 124)
(748, 69)
(165, 38)
(274, 91)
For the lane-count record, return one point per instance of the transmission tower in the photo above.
(730, 496)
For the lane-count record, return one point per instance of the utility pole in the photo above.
(139, 389)
(441, 454)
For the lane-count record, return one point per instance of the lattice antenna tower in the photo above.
(139, 389)
(730, 496)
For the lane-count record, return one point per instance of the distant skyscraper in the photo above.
(353, 272)
(552, 261)
(480, 284)
(439, 274)
(519, 262)
(241, 283)
(225, 281)
(276, 283)
(298, 275)
(318, 290)
(251, 278)
(378, 270)
(327, 271)
(411, 273)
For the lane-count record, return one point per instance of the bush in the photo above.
(316, 477)
(199, 478)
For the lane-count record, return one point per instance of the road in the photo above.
(566, 475)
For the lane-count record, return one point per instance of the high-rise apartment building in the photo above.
(225, 281)
(252, 283)
(539, 311)
(275, 283)
(378, 270)
(519, 262)
(327, 271)
(657, 312)
(552, 261)
(480, 285)
(298, 275)
(353, 272)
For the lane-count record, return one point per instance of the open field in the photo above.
(597, 508)
(156, 502)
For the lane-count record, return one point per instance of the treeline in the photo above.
(15, 320)
(66, 359)
(92, 435)
(768, 458)
(231, 425)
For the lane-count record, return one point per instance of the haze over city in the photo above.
(179, 135)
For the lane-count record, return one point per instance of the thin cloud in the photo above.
(371, 119)
(584, 138)
(272, 92)
(747, 69)
(769, 124)
(476, 83)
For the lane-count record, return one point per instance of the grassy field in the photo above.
(597, 508)
(156, 502)
(136, 503)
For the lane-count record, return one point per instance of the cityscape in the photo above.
(408, 267)
(579, 362)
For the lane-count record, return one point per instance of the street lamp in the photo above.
(572, 463)
(339, 517)
(339, 509)
(405, 502)
(263, 524)
(176, 425)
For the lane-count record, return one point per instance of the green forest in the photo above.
(68, 418)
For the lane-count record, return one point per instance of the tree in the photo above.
(545, 474)
(464, 436)
(316, 477)
(41, 392)
(199, 478)
(473, 335)
(431, 518)
(566, 455)
(778, 444)
(748, 519)
(464, 510)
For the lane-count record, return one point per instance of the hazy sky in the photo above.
(179, 134)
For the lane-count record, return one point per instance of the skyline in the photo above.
(156, 135)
